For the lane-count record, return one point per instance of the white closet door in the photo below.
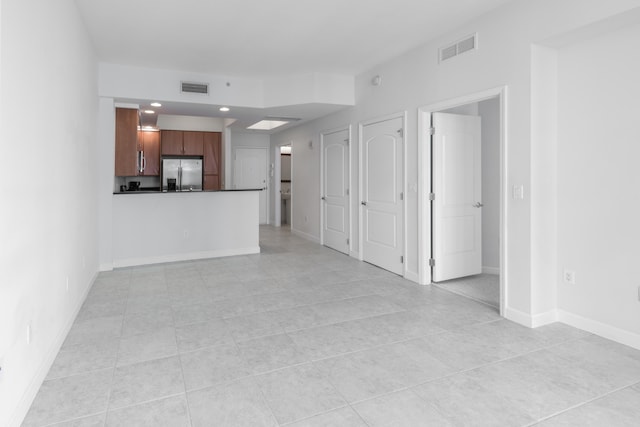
(382, 204)
(457, 207)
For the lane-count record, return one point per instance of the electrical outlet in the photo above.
(67, 283)
(569, 277)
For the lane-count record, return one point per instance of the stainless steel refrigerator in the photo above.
(187, 173)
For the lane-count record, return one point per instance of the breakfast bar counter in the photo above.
(154, 227)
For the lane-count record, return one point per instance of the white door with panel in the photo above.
(335, 190)
(382, 198)
(457, 204)
(250, 171)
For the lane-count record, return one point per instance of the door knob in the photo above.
(363, 203)
(323, 198)
(478, 205)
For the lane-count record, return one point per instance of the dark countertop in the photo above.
(179, 192)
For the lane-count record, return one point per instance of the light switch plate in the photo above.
(518, 192)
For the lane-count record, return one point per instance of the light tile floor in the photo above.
(300, 335)
(482, 287)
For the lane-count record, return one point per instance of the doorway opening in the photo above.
(285, 186)
(462, 227)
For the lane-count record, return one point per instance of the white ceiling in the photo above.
(261, 38)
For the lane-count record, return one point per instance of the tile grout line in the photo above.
(115, 366)
(584, 403)
(184, 382)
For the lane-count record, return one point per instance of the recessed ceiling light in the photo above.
(149, 112)
(267, 124)
(156, 104)
(224, 109)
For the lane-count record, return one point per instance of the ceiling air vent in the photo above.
(191, 87)
(467, 44)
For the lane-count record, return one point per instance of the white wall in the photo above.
(48, 220)
(183, 226)
(285, 168)
(416, 79)
(123, 81)
(192, 123)
(598, 177)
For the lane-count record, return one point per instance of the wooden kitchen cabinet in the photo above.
(182, 143)
(192, 143)
(149, 145)
(212, 160)
(172, 142)
(126, 142)
(211, 182)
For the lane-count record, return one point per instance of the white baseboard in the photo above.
(106, 267)
(306, 236)
(601, 329)
(491, 270)
(29, 395)
(131, 262)
(529, 320)
(412, 275)
(355, 254)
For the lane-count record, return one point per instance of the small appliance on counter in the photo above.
(182, 174)
(134, 186)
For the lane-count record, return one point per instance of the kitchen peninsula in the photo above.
(155, 227)
(168, 204)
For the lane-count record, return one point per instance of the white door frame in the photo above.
(322, 159)
(401, 115)
(424, 182)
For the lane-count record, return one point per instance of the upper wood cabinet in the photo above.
(172, 142)
(182, 143)
(126, 142)
(149, 145)
(192, 143)
(212, 148)
(212, 160)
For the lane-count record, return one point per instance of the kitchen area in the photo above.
(169, 203)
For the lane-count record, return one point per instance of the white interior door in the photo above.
(335, 187)
(250, 171)
(457, 205)
(382, 204)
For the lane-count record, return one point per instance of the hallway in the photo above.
(301, 335)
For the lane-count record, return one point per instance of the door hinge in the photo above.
(347, 241)
(347, 191)
(347, 141)
(432, 131)
(432, 262)
(401, 260)
(401, 132)
(432, 196)
(401, 196)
